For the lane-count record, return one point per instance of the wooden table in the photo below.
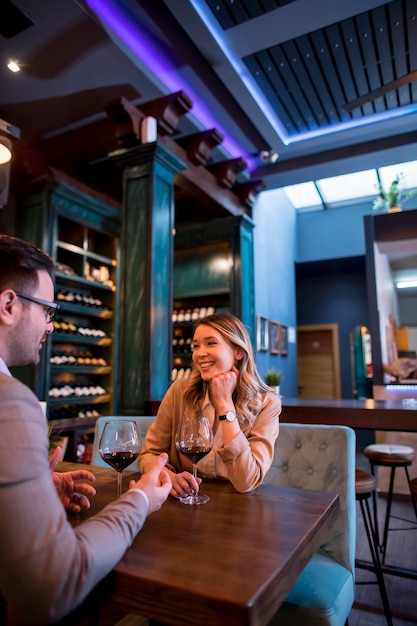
(361, 414)
(231, 561)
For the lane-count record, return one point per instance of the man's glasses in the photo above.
(51, 307)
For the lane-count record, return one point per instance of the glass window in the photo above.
(304, 195)
(349, 186)
(390, 172)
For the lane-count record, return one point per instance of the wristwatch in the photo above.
(230, 416)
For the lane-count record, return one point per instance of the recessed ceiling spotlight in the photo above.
(13, 66)
(268, 156)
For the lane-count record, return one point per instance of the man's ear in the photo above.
(8, 302)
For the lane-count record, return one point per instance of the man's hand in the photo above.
(156, 483)
(72, 491)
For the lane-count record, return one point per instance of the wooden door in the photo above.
(318, 362)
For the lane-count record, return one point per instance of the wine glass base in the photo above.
(195, 499)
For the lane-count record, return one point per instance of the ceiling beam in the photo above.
(344, 160)
(86, 147)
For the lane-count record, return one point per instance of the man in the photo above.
(47, 567)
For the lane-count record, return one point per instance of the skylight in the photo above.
(409, 170)
(304, 195)
(349, 188)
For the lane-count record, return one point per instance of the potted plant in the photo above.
(390, 200)
(273, 379)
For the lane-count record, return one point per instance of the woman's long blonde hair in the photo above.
(250, 390)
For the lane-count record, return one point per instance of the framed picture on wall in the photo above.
(283, 339)
(274, 346)
(262, 334)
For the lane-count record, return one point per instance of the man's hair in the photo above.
(19, 263)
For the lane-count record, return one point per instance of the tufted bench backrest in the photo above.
(321, 458)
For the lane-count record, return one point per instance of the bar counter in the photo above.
(362, 414)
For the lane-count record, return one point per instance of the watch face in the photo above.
(230, 416)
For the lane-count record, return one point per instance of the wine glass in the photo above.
(120, 444)
(194, 438)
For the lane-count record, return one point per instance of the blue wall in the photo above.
(331, 234)
(334, 292)
(296, 281)
(309, 269)
(275, 295)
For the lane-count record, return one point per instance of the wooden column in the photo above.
(147, 276)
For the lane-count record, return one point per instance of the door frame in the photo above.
(334, 329)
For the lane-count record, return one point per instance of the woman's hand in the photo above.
(184, 484)
(221, 390)
(72, 491)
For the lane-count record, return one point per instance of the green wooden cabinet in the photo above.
(213, 272)
(78, 371)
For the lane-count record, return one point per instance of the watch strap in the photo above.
(230, 416)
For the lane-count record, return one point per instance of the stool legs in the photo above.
(388, 513)
(373, 546)
(383, 546)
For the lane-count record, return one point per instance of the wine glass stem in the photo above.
(119, 484)
(195, 476)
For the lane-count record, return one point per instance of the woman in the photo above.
(224, 386)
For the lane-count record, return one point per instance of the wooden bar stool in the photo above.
(365, 487)
(393, 456)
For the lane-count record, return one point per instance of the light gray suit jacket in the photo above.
(47, 567)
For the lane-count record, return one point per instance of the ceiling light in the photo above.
(268, 156)
(5, 153)
(6, 131)
(13, 66)
(406, 284)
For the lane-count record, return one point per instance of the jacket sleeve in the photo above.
(161, 434)
(249, 455)
(43, 560)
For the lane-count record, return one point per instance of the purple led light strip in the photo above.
(130, 31)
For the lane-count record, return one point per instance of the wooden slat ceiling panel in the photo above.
(369, 58)
(410, 20)
(337, 48)
(271, 93)
(329, 71)
(230, 13)
(351, 36)
(296, 100)
(396, 19)
(312, 108)
(312, 77)
(316, 78)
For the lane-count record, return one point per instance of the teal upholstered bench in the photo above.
(321, 458)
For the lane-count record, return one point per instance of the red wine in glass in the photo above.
(194, 438)
(194, 452)
(119, 446)
(119, 460)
